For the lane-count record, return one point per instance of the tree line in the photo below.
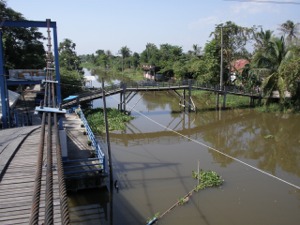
(273, 57)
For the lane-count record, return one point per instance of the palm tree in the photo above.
(268, 62)
(263, 38)
(196, 50)
(125, 53)
(290, 30)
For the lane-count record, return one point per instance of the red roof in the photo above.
(239, 65)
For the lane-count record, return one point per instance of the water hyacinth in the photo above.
(116, 120)
(207, 179)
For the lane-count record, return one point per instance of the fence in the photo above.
(94, 143)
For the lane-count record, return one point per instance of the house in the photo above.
(237, 66)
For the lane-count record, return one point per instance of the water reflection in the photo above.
(153, 164)
(241, 134)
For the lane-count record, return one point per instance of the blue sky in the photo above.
(112, 24)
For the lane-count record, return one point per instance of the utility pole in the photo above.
(107, 137)
(221, 63)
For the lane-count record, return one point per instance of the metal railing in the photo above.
(94, 143)
(194, 84)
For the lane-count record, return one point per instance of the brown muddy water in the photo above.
(153, 165)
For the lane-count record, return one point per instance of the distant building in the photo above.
(27, 74)
(237, 66)
(150, 73)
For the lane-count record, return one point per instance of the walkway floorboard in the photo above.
(17, 185)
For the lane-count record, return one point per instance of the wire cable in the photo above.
(216, 150)
(266, 1)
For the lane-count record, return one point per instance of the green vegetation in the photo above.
(207, 179)
(209, 100)
(23, 47)
(274, 107)
(273, 64)
(70, 71)
(116, 119)
(127, 76)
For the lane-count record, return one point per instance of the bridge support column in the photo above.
(184, 99)
(122, 106)
(252, 101)
(224, 97)
(217, 100)
(190, 96)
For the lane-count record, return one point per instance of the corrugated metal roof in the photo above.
(13, 98)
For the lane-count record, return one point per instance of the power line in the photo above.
(215, 150)
(267, 1)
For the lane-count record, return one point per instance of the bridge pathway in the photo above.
(17, 180)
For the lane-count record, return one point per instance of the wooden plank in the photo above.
(15, 209)
(17, 184)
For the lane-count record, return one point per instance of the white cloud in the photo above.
(253, 8)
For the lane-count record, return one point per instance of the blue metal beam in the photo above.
(22, 82)
(4, 96)
(57, 72)
(26, 24)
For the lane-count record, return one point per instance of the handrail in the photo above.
(153, 85)
(95, 145)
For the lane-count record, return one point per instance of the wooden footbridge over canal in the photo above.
(128, 90)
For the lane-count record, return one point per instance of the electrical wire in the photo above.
(207, 146)
(214, 149)
(267, 1)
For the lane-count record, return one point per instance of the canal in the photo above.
(257, 155)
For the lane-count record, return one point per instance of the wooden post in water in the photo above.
(184, 100)
(217, 100)
(224, 97)
(190, 96)
(120, 105)
(124, 97)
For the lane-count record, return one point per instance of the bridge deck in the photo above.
(17, 184)
(158, 86)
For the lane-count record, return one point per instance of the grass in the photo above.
(286, 107)
(209, 99)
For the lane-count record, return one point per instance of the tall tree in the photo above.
(70, 70)
(68, 57)
(269, 64)
(196, 50)
(290, 30)
(23, 47)
(135, 60)
(262, 39)
(234, 38)
(125, 53)
(150, 55)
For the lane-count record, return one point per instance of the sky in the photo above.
(113, 24)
